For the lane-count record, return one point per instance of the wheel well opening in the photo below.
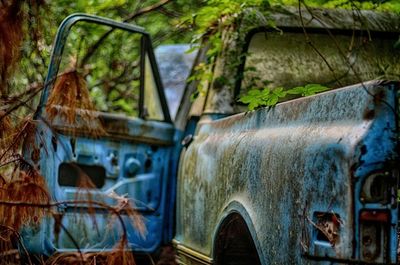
(234, 244)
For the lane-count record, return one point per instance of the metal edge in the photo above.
(191, 254)
(58, 46)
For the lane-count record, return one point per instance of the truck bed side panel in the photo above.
(287, 166)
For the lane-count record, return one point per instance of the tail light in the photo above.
(374, 235)
(377, 188)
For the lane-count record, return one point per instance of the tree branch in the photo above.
(309, 41)
(146, 10)
(130, 17)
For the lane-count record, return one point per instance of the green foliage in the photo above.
(202, 74)
(162, 24)
(178, 21)
(216, 15)
(256, 98)
(307, 90)
(206, 18)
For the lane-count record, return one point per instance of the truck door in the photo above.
(104, 136)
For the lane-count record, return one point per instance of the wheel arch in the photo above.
(235, 211)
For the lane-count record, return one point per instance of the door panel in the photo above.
(132, 169)
(93, 160)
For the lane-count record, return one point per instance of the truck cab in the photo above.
(311, 180)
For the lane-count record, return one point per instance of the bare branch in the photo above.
(309, 41)
(146, 10)
(130, 17)
(169, 13)
(18, 236)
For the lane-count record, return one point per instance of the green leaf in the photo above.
(253, 105)
(279, 92)
(195, 95)
(254, 92)
(295, 91)
(191, 78)
(265, 93)
(270, 97)
(272, 100)
(192, 49)
(246, 99)
(312, 89)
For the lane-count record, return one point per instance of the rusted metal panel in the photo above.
(286, 166)
(117, 127)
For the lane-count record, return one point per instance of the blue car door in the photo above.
(105, 140)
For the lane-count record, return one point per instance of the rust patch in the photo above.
(379, 96)
(118, 126)
(329, 227)
(369, 114)
(35, 155)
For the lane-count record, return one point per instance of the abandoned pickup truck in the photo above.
(311, 180)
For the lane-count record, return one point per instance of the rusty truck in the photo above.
(310, 180)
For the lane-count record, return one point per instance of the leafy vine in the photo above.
(256, 98)
(218, 15)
